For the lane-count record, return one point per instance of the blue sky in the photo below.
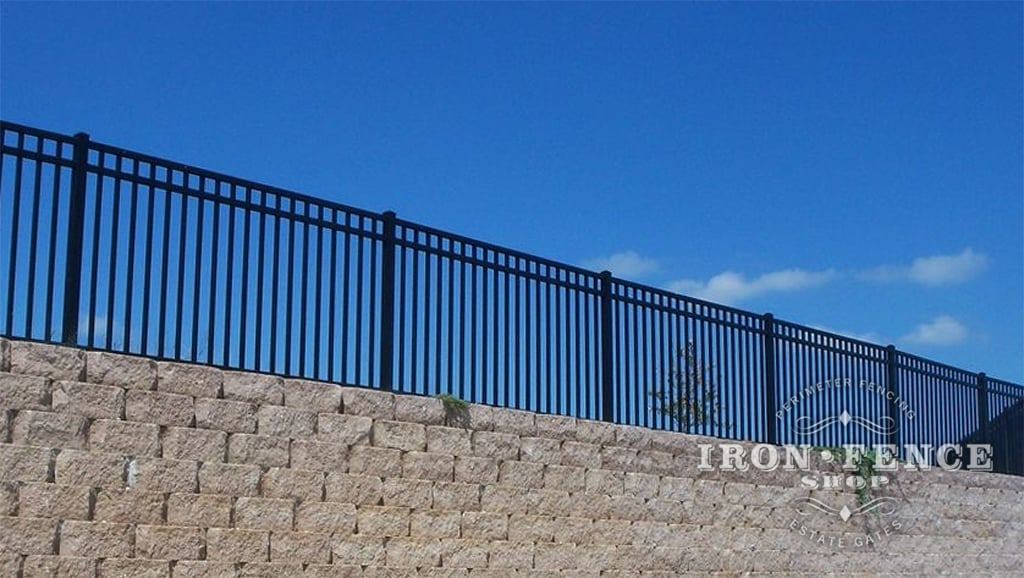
(854, 167)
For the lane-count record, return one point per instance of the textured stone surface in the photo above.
(52, 361)
(310, 479)
(121, 370)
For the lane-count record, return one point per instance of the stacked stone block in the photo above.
(115, 465)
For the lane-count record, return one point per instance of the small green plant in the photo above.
(865, 465)
(690, 396)
(456, 410)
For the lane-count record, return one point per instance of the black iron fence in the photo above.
(110, 249)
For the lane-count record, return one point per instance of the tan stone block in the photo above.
(159, 408)
(548, 502)
(237, 545)
(399, 435)
(407, 493)
(57, 430)
(464, 553)
(521, 474)
(635, 437)
(595, 432)
(264, 513)
(5, 355)
(128, 507)
(382, 521)
(24, 464)
(511, 555)
(555, 557)
(678, 489)
(573, 530)
(230, 479)
(44, 360)
(24, 392)
(225, 415)
(270, 570)
(368, 402)
(319, 456)
(287, 422)
(124, 437)
(203, 569)
(374, 461)
(477, 417)
(449, 440)
(202, 445)
(655, 462)
(257, 449)
(567, 478)
(504, 499)
(59, 566)
(418, 409)
(160, 475)
(530, 528)
(641, 485)
(515, 422)
(200, 510)
(133, 568)
(672, 442)
(618, 458)
(496, 445)
(607, 482)
(541, 450)
(339, 518)
(253, 387)
(5, 425)
(304, 547)
(435, 524)
(169, 542)
(610, 532)
(343, 430)
(188, 379)
(293, 483)
(314, 396)
(120, 370)
(627, 508)
(456, 496)
(24, 535)
(428, 466)
(413, 552)
(54, 501)
(78, 468)
(583, 455)
(484, 525)
(8, 498)
(354, 489)
(662, 510)
(332, 571)
(476, 470)
(355, 550)
(558, 427)
(591, 506)
(95, 539)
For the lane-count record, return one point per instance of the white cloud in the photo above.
(943, 330)
(870, 337)
(625, 265)
(731, 287)
(932, 271)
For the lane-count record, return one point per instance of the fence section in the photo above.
(115, 250)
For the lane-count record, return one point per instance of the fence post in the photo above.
(892, 411)
(770, 387)
(76, 232)
(984, 425)
(607, 381)
(387, 303)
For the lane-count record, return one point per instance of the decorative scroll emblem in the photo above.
(885, 506)
(885, 425)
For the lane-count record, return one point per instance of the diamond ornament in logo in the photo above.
(845, 418)
(845, 513)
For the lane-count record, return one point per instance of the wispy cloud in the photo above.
(870, 337)
(932, 271)
(731, 287)
(626, 265)
(943, 330)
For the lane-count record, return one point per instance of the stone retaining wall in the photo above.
(123, 466)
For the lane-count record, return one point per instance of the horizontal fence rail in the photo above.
(114, 250)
